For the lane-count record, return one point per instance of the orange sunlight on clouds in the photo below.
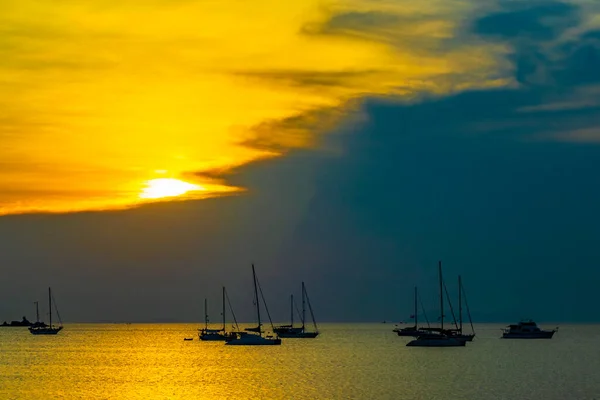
(112, 104)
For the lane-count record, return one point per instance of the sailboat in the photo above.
(254, 336)
(413, 331)
(289, 328)
(213, 334)
(289, 331)
(438, 338)
(50, 329)
(37, 322)
(458, 333)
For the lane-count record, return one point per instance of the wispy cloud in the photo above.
(584, 135)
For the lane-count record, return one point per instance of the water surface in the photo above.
(348, 361)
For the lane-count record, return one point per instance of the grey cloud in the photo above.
(311, 78)
(395, 30)
(281, 135)
(356, 23)
(533, 31)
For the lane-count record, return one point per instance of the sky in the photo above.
(151, 151)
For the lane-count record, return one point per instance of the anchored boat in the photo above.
(39, 329)
(439, 337)
(254, 336)
(413, 331)
(527, 330)
(290, 331)
(207, 334)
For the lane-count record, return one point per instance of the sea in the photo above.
(346, 361)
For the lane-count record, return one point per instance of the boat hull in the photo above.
(408, 332)
(532, 335)
(45, 331)
(253, 340)
(465, 338)
(432, 341)
(436, 343)
(287, 330)
(299, 335)
(212, 337)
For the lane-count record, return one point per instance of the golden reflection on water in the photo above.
(95, 97)
(348, 361)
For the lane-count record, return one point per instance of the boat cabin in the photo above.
(524, 326)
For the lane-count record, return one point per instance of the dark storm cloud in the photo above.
(477, 179)
(539, 21)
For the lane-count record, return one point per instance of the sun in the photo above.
(167, 187)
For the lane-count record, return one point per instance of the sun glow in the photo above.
(92, 105)
(167, 187)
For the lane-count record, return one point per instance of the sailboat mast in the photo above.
(416, 323)
(312, 314)
(468, 310)
(441, 295)
(205, 313)
(460, 321)
(292, 310)
(237, 327)
(303, 306)
(37, 311)
(50, 305)
(223, 308)
(256, 297)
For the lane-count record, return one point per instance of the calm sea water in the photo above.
(348, 361)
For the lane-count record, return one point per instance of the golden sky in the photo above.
(108, 104)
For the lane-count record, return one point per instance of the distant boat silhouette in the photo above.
(254, 336)
(290, 331)
(413, 331)
(50, 329)
(436, 340)
(289, 328)
(38, 323)
(438, 337)
(458, 333)
(527, 329)
(207, 334)
(24, 323)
